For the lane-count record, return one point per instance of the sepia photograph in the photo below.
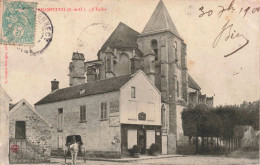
(111, 82)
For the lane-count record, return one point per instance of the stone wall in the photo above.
(4, 131)
(36, 145)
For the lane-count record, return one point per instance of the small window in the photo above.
(60, 110)
(103, 111)
(20, 129)
(82, 113)
(60, 119)
(132, 92)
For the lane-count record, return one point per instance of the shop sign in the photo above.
(142, 116)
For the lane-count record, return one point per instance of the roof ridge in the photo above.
(122, 36)
(128, 26)
(92, 88)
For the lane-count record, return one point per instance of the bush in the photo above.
(136, 149)
(154, 148)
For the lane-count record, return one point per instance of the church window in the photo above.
(163, 116)
(108, 63)
(154, 46)
(175, 51)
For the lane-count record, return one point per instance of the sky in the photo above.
(231, 79)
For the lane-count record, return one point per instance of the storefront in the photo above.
(142, 135)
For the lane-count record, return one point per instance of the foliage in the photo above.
(154, 148)
(204, 121)
(136, 149)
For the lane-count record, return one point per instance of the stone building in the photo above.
(4, 124)
(110, 115)
(160, 52)
(29, 135)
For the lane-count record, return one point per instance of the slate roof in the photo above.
(91, 88)
(192, 83)
(160, 21)
(122, 37)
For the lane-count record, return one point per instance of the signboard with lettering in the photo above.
(142, 116)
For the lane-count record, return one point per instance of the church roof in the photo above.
(91, 88)
(193, 84)
(122, 37)
(160, 21)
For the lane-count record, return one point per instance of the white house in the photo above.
(109, 115)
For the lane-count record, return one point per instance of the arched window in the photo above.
(154, 46)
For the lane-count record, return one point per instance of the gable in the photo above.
(23, 110)
(122, 37)
(140, 77)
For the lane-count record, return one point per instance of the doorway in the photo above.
(142, 140)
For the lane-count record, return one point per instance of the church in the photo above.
(158, 57)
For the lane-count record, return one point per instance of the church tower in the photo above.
(161, 35)
(77, 69)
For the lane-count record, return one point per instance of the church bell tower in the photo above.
(161, 35)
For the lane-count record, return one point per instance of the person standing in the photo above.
(74, 148)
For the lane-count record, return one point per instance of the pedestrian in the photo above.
(74, 148)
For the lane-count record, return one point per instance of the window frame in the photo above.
(17, 132)
(60, 111)
(133, 92)
(103, 111)
(83, 114)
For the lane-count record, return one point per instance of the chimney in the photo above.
(54, 85)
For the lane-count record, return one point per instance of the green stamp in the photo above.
(18, 22)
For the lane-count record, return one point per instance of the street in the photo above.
(187, 160)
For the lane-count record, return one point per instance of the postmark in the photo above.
(100, 31)
(18, 22)
(43, 35)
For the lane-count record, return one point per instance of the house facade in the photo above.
(109, 115)
(4, 132)
(29, 135)
(160, 51)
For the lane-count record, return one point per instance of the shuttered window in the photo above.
(83, 113)
(60, 119)
(103, 111)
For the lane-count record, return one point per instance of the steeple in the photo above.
(160, 21)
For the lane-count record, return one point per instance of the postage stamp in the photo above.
(18, 22)
(43, 35)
